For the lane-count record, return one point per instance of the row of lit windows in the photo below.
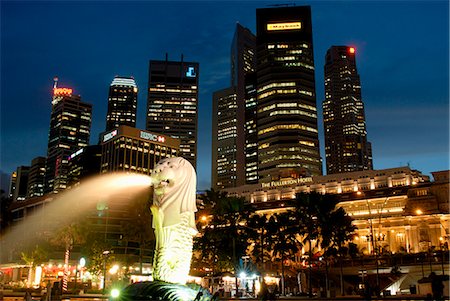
(276, 85)
(173, 90)
(280, 91)
(287, 127)
(292, 112)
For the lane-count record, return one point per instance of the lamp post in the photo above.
(371, 237)
(105, 254)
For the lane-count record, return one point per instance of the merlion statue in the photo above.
(173, 209)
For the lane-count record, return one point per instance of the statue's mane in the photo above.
(180, 195)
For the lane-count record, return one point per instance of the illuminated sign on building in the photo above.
(284, 26)
(191, 72)
(152, 137)
(76, 154)
(62, 91)
(286, 182)
(109, 135)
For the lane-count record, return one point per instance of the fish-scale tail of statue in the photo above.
(174, 252)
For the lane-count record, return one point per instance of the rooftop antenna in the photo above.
(55, 79)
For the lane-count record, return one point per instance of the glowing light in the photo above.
(352, 50)
(419, 212)
(115, 293)
(82, 262)
(37, 276)
(242, 275)
(62, 91)
(204, 218)
(114, 269)
(284, 26)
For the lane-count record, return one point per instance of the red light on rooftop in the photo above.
(352, 50)
(62, 91)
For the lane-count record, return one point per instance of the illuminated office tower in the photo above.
(229, 115)
(36, 178)
(122, 103)
(172, 104)
(224, 136)
(70, 129)
(288, 143)
(251, 133)
(346, 145)
(243, 63)
(129, 149)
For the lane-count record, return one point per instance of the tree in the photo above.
(228, 213)
(311, 211)
(284, 241)
(67, 237)
(33, 257)
(335, 235)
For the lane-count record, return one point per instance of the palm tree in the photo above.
(311, 212)
(284, 240)
(330, 227)
(257, 225)
(336, 234)
(67, 237)
(228, 213)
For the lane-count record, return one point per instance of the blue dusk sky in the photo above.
(402, 57)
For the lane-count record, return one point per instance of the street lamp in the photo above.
(105, 254)
(374, 245)
(79, 267)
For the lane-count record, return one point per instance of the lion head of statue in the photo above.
(174, 189)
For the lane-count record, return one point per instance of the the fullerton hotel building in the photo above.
(402, 209)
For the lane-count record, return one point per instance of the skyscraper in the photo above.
(346, 145)
(132, 150)
(122, 103)
(36, 178)
(172, 104)
(20, 192)
(70, 129)
(224, 136)
(229, 113)
(288, 143)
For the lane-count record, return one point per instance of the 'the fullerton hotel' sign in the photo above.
(286, 182)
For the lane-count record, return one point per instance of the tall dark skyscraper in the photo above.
(122, 103)
(346, 145)
(288, 143)
(20, 192)
(70, 129)
(36, 177)
(172, 104)
(229, 107)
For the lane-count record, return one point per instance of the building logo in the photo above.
(284, 26)
(191, 72)
(152, 137)
(109, 135)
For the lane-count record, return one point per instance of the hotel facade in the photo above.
(395, 210)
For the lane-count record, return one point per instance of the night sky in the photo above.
(402, 58)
